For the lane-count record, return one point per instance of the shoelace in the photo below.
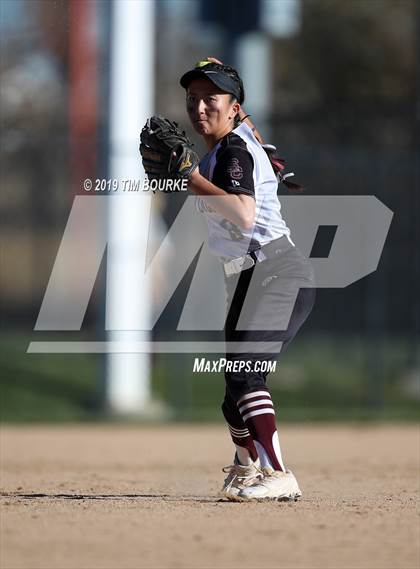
(239, 475)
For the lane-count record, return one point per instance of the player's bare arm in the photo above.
(239, 209)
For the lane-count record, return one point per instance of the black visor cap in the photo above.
(220, 79)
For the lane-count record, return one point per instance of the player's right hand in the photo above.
(214, 60)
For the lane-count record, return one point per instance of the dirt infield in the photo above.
(130, 497)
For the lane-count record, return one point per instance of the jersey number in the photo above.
(232, 229)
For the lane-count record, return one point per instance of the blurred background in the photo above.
(335, 85)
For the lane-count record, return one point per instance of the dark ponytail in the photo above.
(292, 187)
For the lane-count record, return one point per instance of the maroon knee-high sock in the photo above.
(258, 414)
(238, 430)
(242, 437)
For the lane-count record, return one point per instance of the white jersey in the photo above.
(238, 164)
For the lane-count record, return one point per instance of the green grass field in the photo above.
(318, 378)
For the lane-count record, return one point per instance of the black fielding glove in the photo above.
(166, 150)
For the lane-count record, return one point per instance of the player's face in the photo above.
(211, 110)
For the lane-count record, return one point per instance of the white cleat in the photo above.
(275, 485)
(239, 477)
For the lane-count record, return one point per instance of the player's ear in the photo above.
(236, 107)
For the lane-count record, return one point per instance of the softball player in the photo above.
(269, 284)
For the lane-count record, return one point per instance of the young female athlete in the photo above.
(269, 283)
